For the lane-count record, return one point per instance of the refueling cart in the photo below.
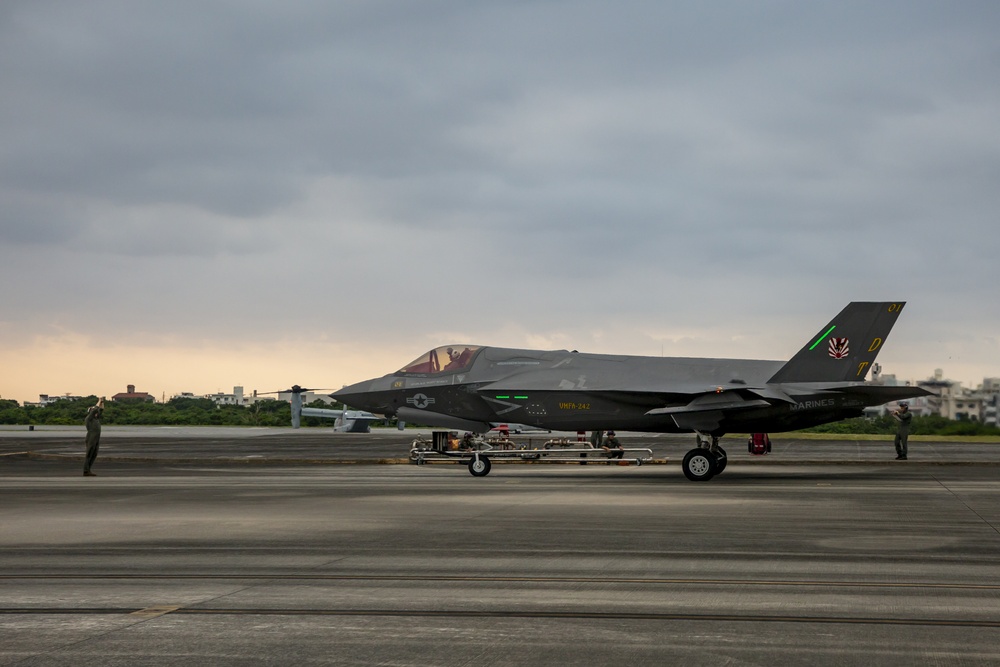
(478, 452)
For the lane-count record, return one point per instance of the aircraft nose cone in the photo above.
(358, 395)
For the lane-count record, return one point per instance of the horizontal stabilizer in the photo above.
(881, 393)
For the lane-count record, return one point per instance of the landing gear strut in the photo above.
(705, 461)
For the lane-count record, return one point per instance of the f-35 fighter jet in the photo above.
(470, 387)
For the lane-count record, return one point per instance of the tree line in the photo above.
(886, 425)
(178, 411)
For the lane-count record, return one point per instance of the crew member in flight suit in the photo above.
(93, 422)
(613, 447)
(904, 417)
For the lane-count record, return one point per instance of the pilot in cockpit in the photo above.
(455, 359)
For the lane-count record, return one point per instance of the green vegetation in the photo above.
(175, 412)
(886, 425)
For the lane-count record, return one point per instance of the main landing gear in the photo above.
(705, 461)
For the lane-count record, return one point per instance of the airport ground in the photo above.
(259, 546)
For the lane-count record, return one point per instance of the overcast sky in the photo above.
(197, 195)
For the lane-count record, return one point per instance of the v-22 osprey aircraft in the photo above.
(470, 387)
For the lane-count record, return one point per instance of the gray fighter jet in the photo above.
(470, 387)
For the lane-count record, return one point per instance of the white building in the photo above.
(45, 399)
(235, 398)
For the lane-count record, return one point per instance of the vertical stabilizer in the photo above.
(845, 349)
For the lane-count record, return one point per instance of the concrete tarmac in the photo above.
(170, 558)
(323, 445)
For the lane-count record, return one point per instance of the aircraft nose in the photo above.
(358, 395)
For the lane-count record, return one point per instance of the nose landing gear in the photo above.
(480, 466)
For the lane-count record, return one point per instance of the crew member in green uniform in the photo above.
(904, 417)
(93, 422)
(613, 447)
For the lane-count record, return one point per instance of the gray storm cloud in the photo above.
(551, 161)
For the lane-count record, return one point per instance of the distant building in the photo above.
(235, 398)
(953, 401)
(942, 390)
(990, 386)
(238, 397)
(133, 396)
(991, 409)
(989, 390)
(45, 399)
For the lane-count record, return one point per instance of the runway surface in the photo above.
(168, 558)
(321, 445)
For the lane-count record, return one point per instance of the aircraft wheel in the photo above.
(720, 462)
(480, 467)
(699, 465)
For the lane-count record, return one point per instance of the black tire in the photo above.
(480, 466)
(720, 462)
(699, 465)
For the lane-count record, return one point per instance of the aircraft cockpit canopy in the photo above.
(441, 359)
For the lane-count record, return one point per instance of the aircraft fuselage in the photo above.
(561, 390)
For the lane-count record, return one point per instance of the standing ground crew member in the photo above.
(904, 417)
(93, 422)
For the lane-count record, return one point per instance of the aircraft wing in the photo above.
(711, 402)
(705, 411)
